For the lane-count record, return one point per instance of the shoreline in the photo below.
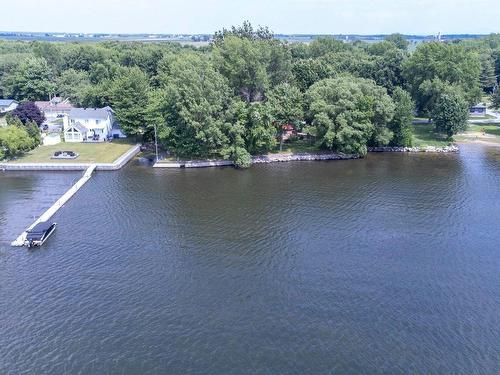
(305, 156)
(207, 163)
(116, 165)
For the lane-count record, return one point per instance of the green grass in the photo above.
(425, 135)
(493, 129)
(106, 152)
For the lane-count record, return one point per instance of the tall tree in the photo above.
(190, 108)
(32, 80)
(449, 63)
(245, 31)
(401, 123)
(14, 141)
(488, 78)
(451, 112)
(348, 113)
(129, 97)
(74, 85)
(243, 62)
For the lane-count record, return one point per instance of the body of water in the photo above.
(390, 264)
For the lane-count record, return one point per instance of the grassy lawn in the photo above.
(425, 135)
(106, 152)
(493, 129)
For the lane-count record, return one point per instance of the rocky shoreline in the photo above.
(286, 157)
(279, 158)
(445, 149)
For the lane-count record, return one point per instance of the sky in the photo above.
(282, 16)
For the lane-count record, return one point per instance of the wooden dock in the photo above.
(56, 206)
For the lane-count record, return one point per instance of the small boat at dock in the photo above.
(37, 235)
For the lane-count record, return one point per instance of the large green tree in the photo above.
(32, 80)
(488, 77)
(129, 98)
(451, 112)
(243, 62)
(14, 140)
(449, 63)
(74, 85)
(401, 123)
(190, 109)
(347, 114)
(252, 66)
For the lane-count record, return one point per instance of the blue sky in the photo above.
(282, 16)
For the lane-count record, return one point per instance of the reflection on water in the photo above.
(387, 264)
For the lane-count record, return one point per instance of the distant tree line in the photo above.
(230, 99)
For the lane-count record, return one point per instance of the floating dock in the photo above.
(56, 206)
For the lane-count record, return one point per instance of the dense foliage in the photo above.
(14, 140)
(230, 99)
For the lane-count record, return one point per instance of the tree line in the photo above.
(231, 98)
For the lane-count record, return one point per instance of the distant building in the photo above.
(7, 105)
(88, 125)
(478, 110)
(288, 131)
(54, 108)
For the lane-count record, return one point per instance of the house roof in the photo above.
(90, 113)
(54, 105)
(6, 102)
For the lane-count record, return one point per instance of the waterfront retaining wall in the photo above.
(261, 159)
(117, 164)
(284, 157)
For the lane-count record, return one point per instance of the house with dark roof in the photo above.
(7, 105)
(88, 124)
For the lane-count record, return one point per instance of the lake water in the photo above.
(389, 264)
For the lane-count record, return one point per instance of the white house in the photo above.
(88, 125)
(7, 105)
